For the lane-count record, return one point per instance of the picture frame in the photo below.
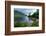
(9, 17)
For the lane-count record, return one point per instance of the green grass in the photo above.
(25, 24)
(20, 24)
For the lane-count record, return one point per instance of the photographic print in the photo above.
(26, 17)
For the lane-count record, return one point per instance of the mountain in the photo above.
(19, 16)
(36, 14)
(18, 13)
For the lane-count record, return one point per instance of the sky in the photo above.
(26, 11)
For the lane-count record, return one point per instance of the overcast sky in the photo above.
(26, 11)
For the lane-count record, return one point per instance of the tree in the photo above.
(36, 14)
(29, 15)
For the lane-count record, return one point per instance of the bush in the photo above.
(35, 24)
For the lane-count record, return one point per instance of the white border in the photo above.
(26, 28)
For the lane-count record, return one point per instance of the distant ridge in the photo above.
(18, 12)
